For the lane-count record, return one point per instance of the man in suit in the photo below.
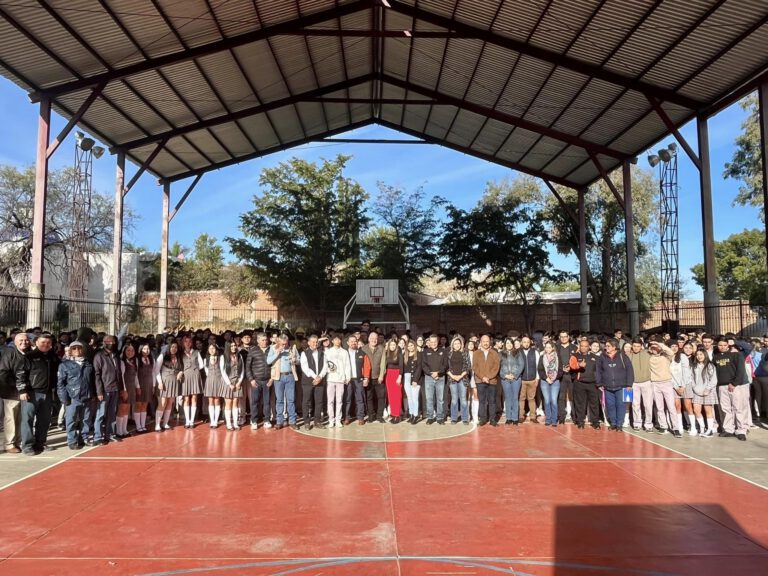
(313, 371)
(487, 363)
(360, 372)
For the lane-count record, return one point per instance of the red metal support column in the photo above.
(763, 106)
(584, 307)
(711, 299)
(632, 305)
(162, 303)
(675, 132)
(117, 245)
(36, 289)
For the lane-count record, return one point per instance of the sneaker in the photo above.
(708, 434)
(726, 434)
(662, 431)
(693, 432)
(267, 425)
(742, 437)
(441, 422)
(636, 428)
(254, 426)
(430, 421)
(676, 434)
(166, 426)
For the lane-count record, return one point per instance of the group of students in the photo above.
(96, 383)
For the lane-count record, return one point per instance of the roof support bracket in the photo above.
(671, 127)
(95, 93)
(145, 165)
(180, 203)
(607, 180)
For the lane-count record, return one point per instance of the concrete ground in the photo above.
(747, 460)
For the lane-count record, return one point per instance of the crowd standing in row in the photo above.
(93, 384)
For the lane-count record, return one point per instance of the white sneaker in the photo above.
(267, 424)
(158, 428)
(255, 426)
(708, 434)
(166, 426)
(693, 432)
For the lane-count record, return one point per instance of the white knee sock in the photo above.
(711, 423)
(692, 423)
(192, 414)
(475, 404)
(166, 416)
(186, 413)
(216, 413)
(228, 417)
(235, 415)
(143, 417)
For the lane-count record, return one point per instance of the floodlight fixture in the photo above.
(98, 152)
(665, 155)
(653, 160)
(672, 147)
(633, 160)
(79, 137)
(87, 144)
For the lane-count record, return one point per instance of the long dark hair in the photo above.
(514, 352)
(707, 365)
(680, 355)
(393, 355)
(228, 357)
(167, 356)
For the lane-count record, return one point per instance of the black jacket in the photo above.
(43, 369)
(14, 374)
(256, 366)
(434, 361)
(109, 376)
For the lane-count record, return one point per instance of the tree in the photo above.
(500, 246)
(403, 243)
(303, 234)
(747, 163)
(17, 193)
(740, 263)
(606, 237)
(202, 270)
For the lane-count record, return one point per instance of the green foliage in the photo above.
(500, 246)
(403, 244)
(304, 231)
(202, 270)
(17, 193)
(741, 271)
(747, 164)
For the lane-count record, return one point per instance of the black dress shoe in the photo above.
(381, 420)
(482, 422)
(430, 421)
(742, 437)
(441, 422)
(494, 423)
(726, 434)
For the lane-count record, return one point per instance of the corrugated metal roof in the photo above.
(532, 85)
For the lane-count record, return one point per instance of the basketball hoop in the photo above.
(376, 301)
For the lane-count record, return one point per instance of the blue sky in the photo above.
(221, 196)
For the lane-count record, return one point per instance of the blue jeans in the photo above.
(260, 391)
(614, 406)
(35, 421)
(434, 390)
(104, 425)
(412, 392)
(550, 393)
(459, 396)
(78, 412)
(511, 398)
(285, 391)
(354, 392)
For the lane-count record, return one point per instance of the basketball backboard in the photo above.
(377, 292)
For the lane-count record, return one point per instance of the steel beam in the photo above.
(245, 113)
(162, 303)
(544, 54)
(36, 285)
(144, 165)
(629, 230)
(267, 151)
(711, 298)
(370, 141)
(76, 117)
(607, 180)
(571, 214)
(476, 154)
(762, 98)
(675, 132)
(117, 246)
(505, 118)
(208, 49)
(584, 301)
(180, 203)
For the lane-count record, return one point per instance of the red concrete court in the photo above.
(529, 500)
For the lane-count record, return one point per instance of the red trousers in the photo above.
(394, 392)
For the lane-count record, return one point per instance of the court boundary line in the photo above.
(733, 474)
(53, 465)
(376, 459)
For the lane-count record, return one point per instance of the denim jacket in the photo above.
(511, 364)
(76, 381)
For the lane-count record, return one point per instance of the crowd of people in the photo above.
(94, 385)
